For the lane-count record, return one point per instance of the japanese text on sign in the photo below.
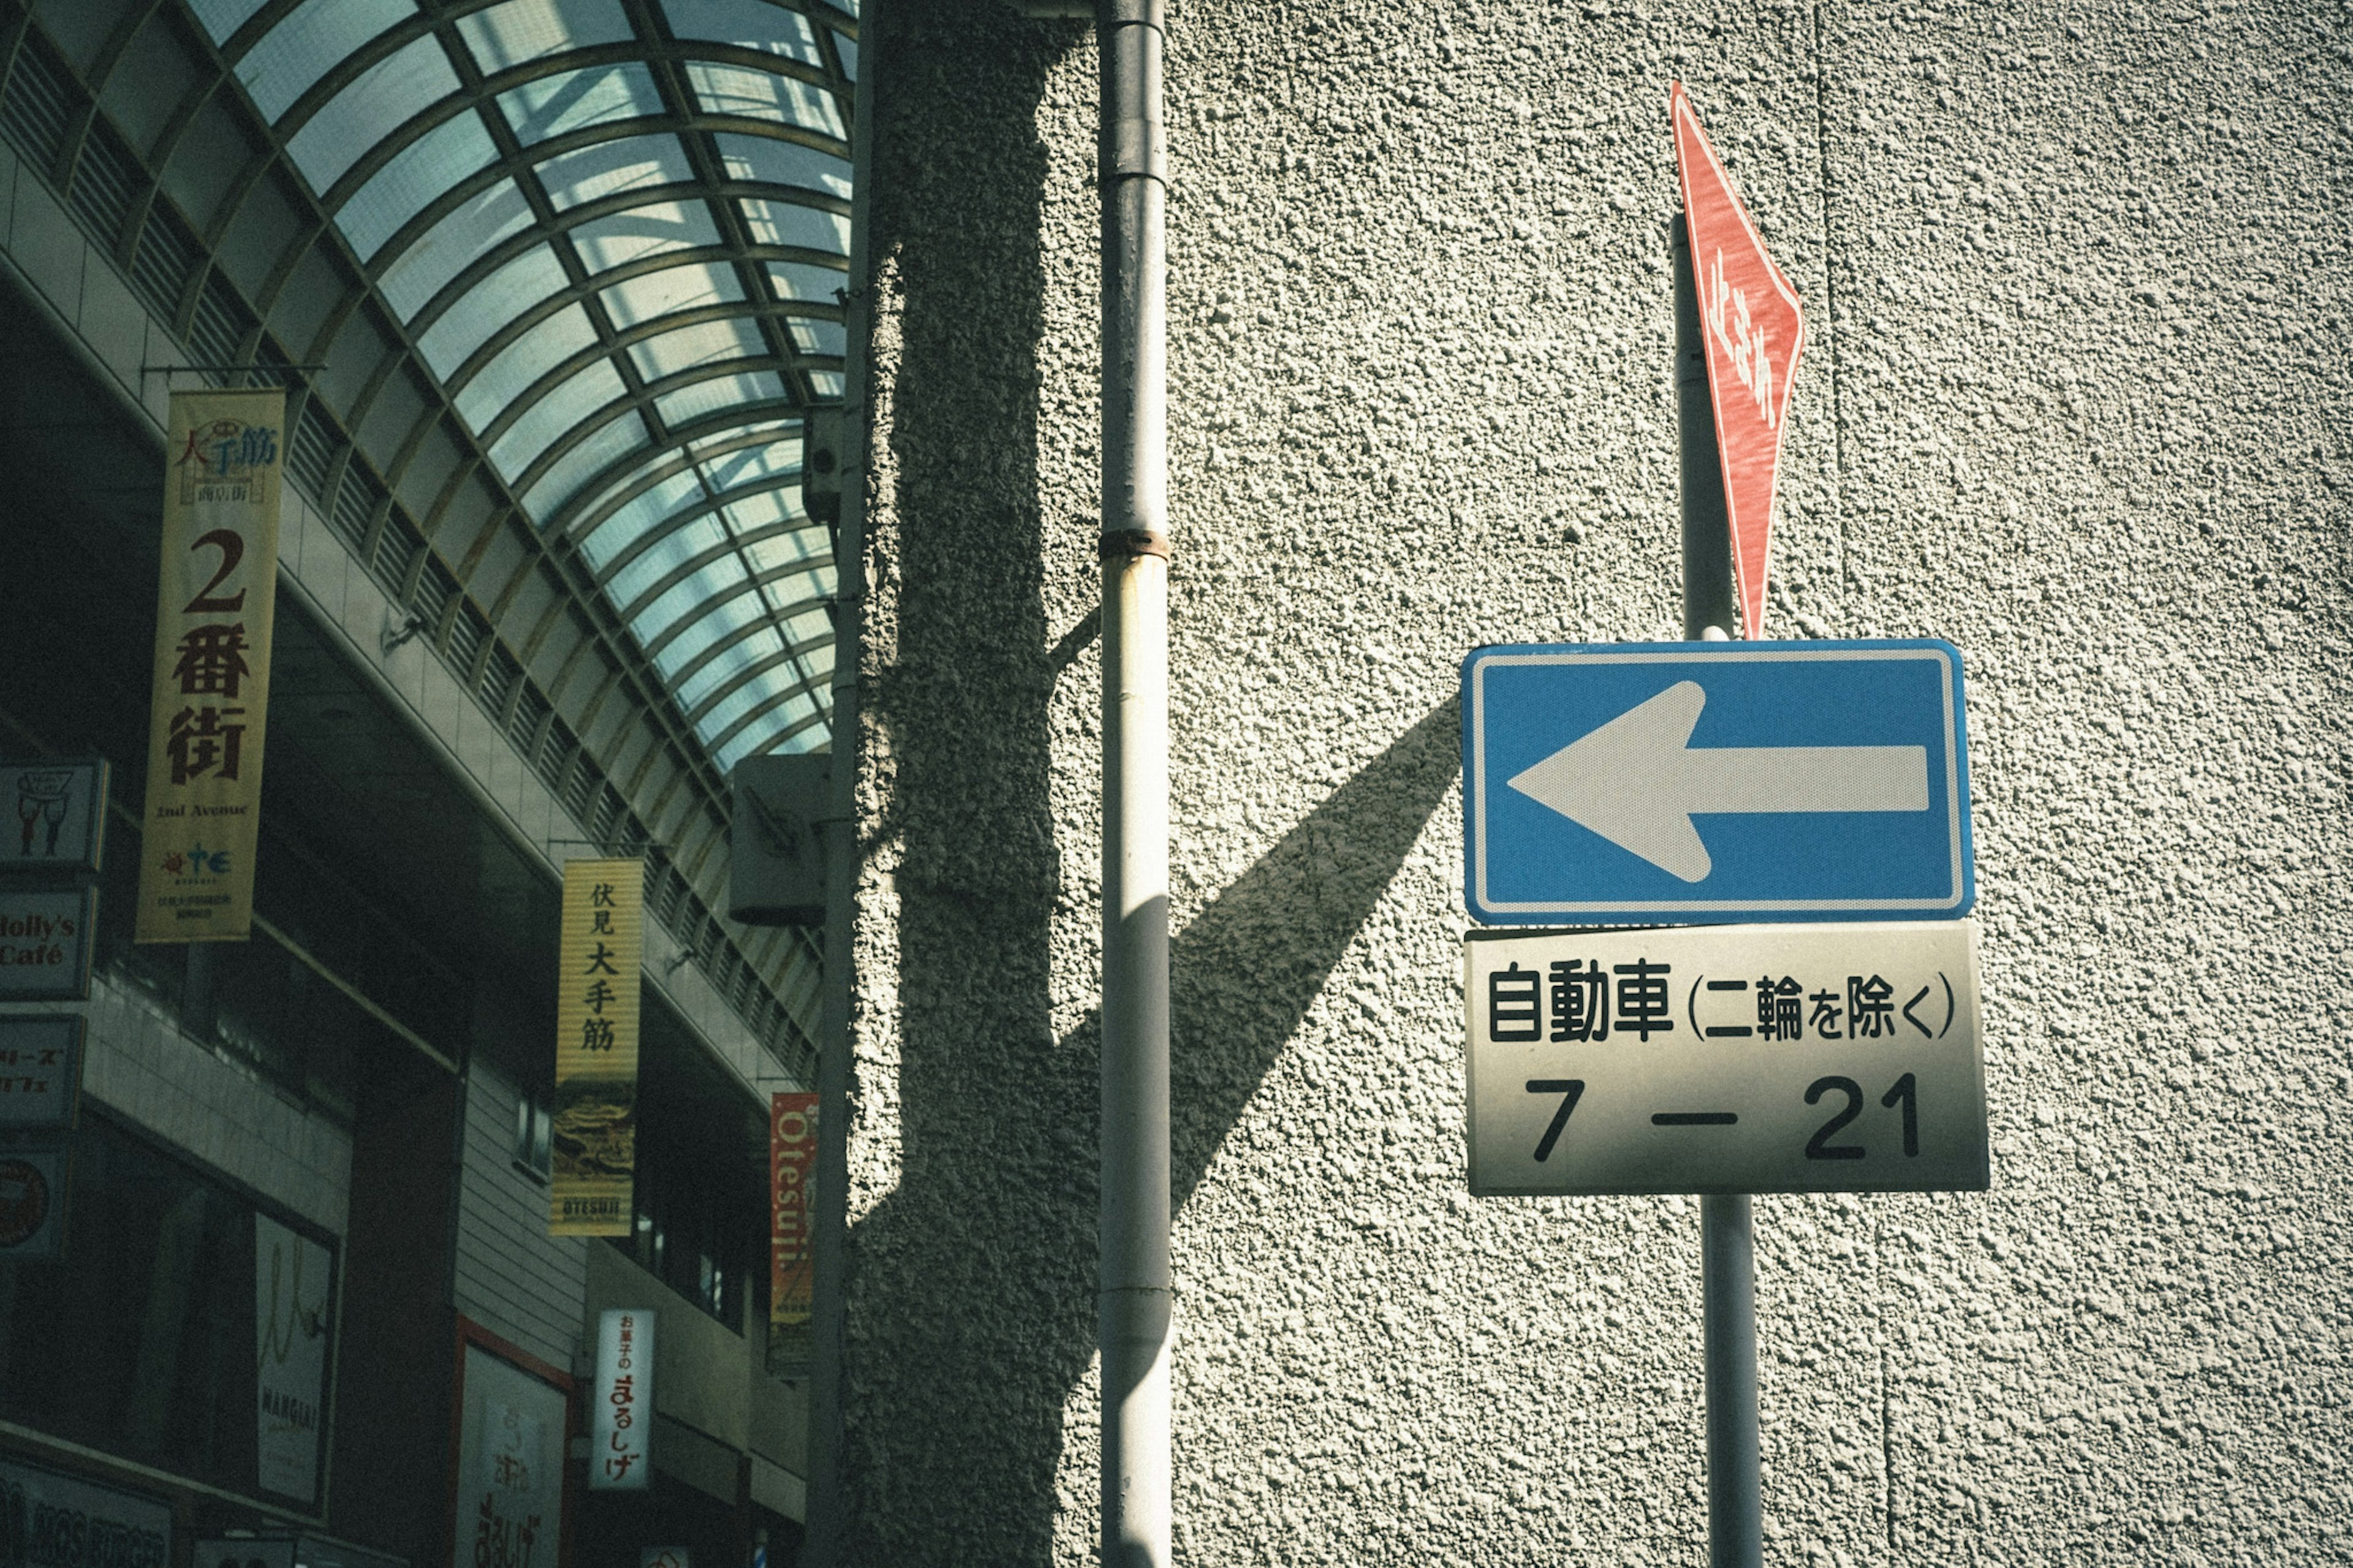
(1726, 1058)
(594, 1133)
(622, 1420)
(1570, 1001)
(214, 615)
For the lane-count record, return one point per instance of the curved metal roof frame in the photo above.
(572, 389)
(574, 215)
(688, 670)
(651, 593)
(791, 654)
(751, 584)
(695, 511)
(518, 245)
(611, 493)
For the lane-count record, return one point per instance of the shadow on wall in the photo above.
(972, 1288)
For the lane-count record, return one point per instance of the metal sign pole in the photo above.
(1735, 1524)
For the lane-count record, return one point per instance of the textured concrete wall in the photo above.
(2076, 400)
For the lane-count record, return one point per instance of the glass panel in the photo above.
(765, 95)
(630, 523)
(553, 105)
(702, 345)
(779, 162)
(425, 268)
(826, 383)
(812, 622)
(679, 545)
(616, 238)
(789, 223)
(716, 625)
(687, 288)
(742, 700)
(817, 337)
(318, 36)
(681, 599)
(610, 445)
(776, 459)
(523, 30)
(619, 530)
(788, 549)
(222, 18)
(489, 305)
(751, 24)
(481, 400)
(801, 280)
(846, 47)
(553, 415)
(427, 167)
(363, 113)
(729, 664)
(762, 737)
(692, 402)
(629, 164)
(762, 510)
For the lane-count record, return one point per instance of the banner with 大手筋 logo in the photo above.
(214, 606)
(593, 1139)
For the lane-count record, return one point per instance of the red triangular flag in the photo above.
(1754, 330)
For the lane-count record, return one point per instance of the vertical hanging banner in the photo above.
(595, 1135)
(621, 1421)
(1755, 331)
(792, 1271)
(213, 619)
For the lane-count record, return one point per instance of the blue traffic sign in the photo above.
(1628, 783)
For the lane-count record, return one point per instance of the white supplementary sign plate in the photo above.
(1766, 1058)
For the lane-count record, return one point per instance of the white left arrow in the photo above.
(1636, 780)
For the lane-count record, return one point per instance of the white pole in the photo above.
(1136, 1288)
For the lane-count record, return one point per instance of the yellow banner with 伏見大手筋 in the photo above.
(214, 609)
(595, 1132)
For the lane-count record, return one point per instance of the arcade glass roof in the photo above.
(618, 231)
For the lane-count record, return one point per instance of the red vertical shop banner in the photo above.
(792, 1270)
(1755, 330)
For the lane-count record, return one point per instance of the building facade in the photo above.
(305, 1306)
(553, 289)
(2071, 401)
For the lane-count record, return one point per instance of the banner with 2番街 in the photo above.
(214, 610)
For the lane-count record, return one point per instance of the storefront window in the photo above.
(184, 1324)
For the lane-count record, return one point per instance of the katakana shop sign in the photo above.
(1791, 1058)
(595, 1135)
(213, 620)
(40, 1070)
(621, 1424)
(792, 1275)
